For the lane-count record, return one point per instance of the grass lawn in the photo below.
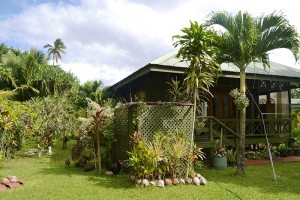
(49, 178)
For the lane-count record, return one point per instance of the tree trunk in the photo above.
(241, 147)
(98, 152)
(193, 128)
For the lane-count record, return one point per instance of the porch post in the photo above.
(292, 140)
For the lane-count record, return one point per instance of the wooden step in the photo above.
(206, 144)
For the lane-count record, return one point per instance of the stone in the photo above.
(145, 182)
(109, 173)
(15, 185)
(175, 181)
(198, 175)
(160, 183)
(138, 181)
(2, 187)
(5, 181)
(152, 183)
(181, 181)
(168, 182)
(189, 181)
(202, 181)
(196, 181)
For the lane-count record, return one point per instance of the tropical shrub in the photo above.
(142, 160)
(178, 91)
(15, 126)
(158, 148)
(283, 150)
(40, 119)
(231, 157)
(178, 151)
(52, 118)
(296, 133)
(262, 152)
(10, 95)
(163, 156)
(96, 132)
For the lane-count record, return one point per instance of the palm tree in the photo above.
(25, 69)
(198, 48)
(248, 39)
(56, 50)
(93, 90)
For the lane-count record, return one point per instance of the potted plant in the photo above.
(219, 160)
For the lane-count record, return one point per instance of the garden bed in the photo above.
(276, 160)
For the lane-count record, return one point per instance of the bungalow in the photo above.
(268, 90)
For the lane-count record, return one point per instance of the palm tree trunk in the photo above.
(241, 148)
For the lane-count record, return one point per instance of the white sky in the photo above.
(109, 39)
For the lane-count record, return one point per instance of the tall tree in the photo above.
(56, 50)
(24, 69)
(198, 49)
(248, 39)
(6, 78)
(29, 73)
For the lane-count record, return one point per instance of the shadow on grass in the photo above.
(259, 178)
(121, 181)
(55, 165)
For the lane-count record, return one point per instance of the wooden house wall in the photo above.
(153, 87)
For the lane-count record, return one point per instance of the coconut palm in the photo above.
(24, 70)
(93, 90)
(56, 50)
(248, 39)
(197, 49)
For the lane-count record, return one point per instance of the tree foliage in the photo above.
(53, 100)
(53, 117)
(248, 39)
(15, 126)
(29, 74)
(96, 131)
(198, 50)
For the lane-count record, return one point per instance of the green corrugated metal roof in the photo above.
(254, 68)
(169, 63)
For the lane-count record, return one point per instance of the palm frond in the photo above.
(7, 76)
(10, 60)
(248, 39)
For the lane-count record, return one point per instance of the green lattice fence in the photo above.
(147, 119)
(121, 128)
(168, 118)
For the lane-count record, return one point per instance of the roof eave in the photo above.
(144, 70)
(180, 70)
